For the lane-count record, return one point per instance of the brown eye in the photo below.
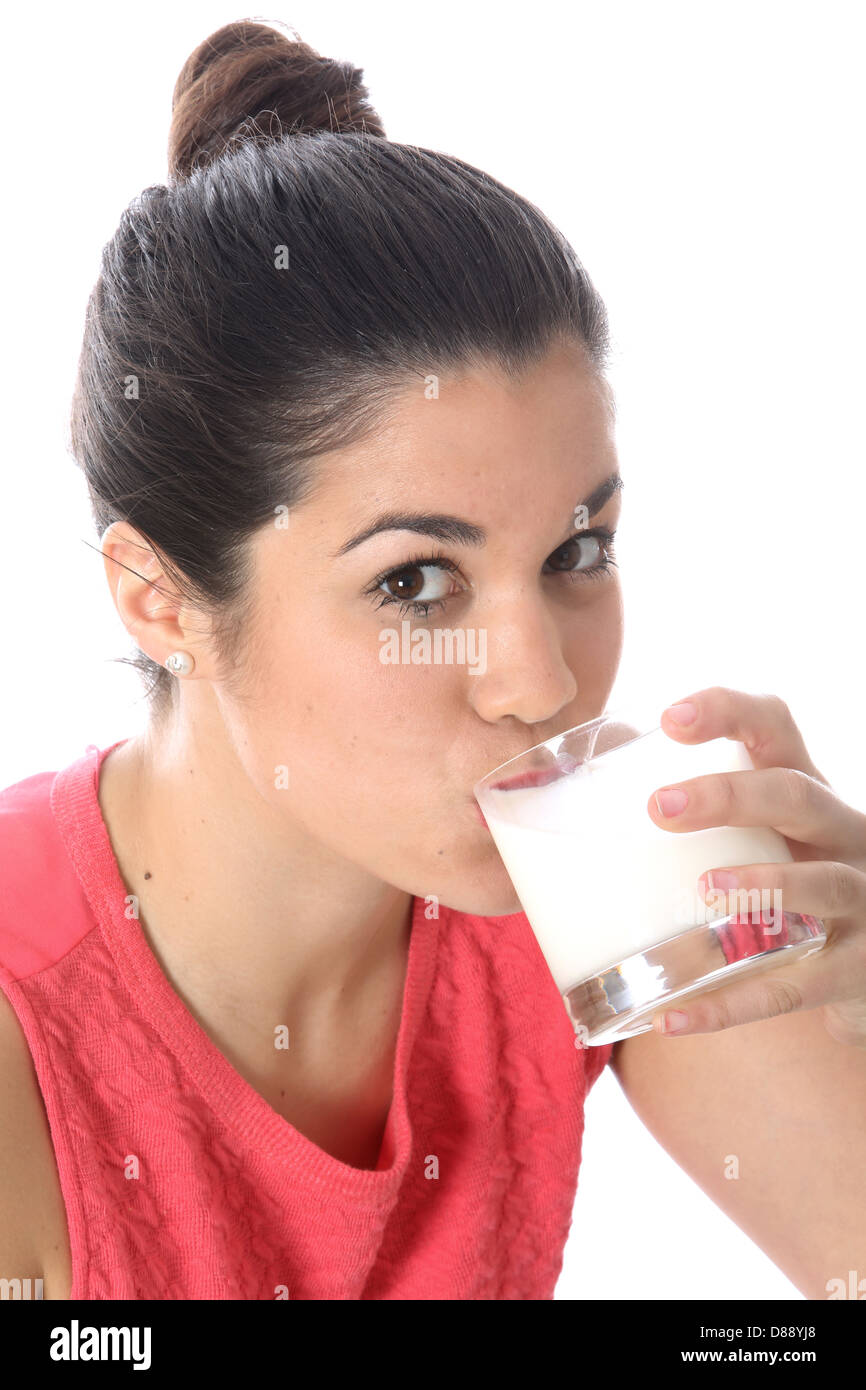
(402, 587)
(418, 572)
(574, 551)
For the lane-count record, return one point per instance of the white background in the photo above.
(706, 161)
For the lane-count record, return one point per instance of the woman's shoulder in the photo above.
(42, 907)
(25, 817)
(23, 799)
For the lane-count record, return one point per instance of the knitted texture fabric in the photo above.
(179, 1179)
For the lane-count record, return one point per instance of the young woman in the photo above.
(272, 1022)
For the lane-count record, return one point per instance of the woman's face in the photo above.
(381, 756)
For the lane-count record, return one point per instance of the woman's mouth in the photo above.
(534, 777)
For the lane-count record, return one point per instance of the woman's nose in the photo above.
(525, 673)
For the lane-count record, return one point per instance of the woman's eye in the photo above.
(427, 582)
(404, 584)
(591, 555)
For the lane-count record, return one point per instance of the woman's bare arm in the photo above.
(781, 1103)
(33, 1230)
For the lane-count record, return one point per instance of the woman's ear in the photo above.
(145, 600)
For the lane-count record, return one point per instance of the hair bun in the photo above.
(249, 82)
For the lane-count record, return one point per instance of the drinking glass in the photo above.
(612, 898)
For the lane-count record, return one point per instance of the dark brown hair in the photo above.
(295, 276)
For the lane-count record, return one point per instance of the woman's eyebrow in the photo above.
(454, 529)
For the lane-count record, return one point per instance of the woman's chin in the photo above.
(482, 894)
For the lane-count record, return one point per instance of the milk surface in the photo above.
(596, 878)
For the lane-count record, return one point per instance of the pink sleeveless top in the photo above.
(181, 1182)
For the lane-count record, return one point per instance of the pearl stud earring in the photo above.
(181, 663)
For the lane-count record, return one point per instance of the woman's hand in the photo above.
(826, 837)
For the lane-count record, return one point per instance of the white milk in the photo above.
(597, 879)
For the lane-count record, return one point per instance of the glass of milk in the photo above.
(611, 897)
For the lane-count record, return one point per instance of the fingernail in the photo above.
(682, 713)
(722, 879)
(675, 1021)
(671, 802)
